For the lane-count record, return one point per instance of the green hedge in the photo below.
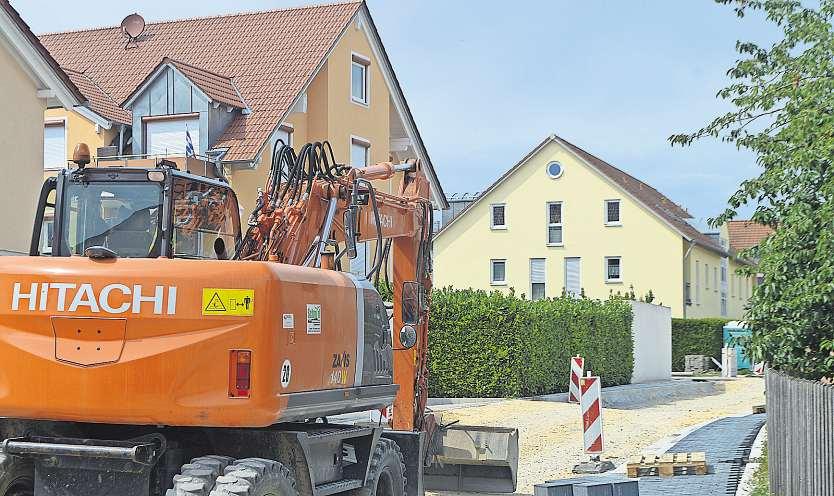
(497, 345)
(696, 337)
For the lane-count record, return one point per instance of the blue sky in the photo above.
(488, 80)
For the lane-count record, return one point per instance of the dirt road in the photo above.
(551, 433)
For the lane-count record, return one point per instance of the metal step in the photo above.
(338, 486)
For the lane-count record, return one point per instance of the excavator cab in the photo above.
(128, 212)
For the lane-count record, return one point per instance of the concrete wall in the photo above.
(21, 139)
(652, 333)
(650, 250)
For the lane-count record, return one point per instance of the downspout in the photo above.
(685, 261)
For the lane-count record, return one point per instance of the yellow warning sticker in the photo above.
(236, 302)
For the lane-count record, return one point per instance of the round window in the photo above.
(554, 169)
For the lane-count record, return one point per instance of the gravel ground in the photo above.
(551, 433)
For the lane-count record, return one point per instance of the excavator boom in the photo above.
(145, 330)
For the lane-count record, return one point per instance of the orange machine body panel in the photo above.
(130, 341)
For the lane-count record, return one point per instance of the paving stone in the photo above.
(727, 444)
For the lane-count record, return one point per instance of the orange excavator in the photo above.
(148, 346)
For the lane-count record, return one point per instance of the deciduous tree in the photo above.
(783, 111)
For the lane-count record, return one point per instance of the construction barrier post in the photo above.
(590, 403)
(577, 366)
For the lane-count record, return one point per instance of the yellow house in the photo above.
(30, 80)
(236, 84)
(563, 220)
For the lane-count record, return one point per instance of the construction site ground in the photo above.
(551, 431)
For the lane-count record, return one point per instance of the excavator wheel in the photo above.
(198, 477)
(386, 475)
(255, 477)
(17, 476)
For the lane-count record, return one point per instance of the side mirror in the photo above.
(408, 336)
(411, 304)
(350, 232)
(220, 248)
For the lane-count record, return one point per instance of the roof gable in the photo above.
(33, 54)
(667, 211)
(214, 86)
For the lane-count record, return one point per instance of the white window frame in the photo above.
(544, 282)
(364, 143)
(609, 280)
(619, 209)
(492, 280)
(706, 276)
(555, 224)
(61, 121)
(359, 60)
(492, 225)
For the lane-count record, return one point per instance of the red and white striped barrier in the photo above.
(591, 405)
(577, 366)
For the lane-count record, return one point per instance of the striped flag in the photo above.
(189, 146)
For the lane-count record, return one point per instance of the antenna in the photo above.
(132, 27)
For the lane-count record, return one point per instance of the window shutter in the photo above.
(573, 284)
(54, 146)
(537, 274)
(167, 137)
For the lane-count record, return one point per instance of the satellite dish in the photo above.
(132, 27)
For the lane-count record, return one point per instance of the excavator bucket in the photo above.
(473, 459)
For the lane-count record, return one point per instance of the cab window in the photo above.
(205, 217)
(124, 217)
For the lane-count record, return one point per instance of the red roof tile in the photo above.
(746, 234)
(98, 100)
(270, 56)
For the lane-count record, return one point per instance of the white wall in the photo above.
(652, 333)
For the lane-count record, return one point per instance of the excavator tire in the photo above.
(198, 477)
(386, 475)
(17, 476)
(255, 477)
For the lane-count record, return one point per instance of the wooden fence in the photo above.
(800, 436)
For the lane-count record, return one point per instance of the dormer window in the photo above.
(171, 135)
(172, 109)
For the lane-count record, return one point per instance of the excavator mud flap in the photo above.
(473, 459)
(87, 467)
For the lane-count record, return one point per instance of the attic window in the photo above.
(554, 170)
(359, 79)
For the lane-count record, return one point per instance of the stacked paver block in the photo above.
(587, 487)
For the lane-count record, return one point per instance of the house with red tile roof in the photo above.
(564, 221)
(31, 80)
(745, 234)
(238, 83)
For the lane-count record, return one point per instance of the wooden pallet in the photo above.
(668, 464)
